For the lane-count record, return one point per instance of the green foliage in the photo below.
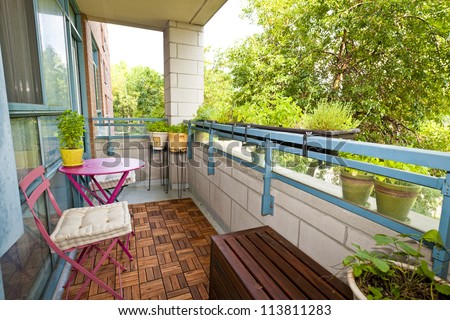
(329, 116)
(217, 104)
(279, 111)
(379, 277)
(56, 78)
(179, 128)
(70, 129)
(157, 126)
(433, 135)
(401, 166)
(360, 158)
(137, 92)
(390, 60)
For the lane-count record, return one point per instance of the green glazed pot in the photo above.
(356, 188)
(395, 200)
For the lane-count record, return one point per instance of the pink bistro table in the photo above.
(101, 166)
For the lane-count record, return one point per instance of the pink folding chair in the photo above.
(83, 229)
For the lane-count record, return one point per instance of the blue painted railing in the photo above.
(111, 123)
(301, 144)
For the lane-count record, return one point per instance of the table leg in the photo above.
(80, 189)
(118, 187)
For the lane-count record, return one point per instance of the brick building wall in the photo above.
(97, 32)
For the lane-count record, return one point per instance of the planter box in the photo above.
(338, 134)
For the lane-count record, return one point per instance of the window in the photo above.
(76, 76)
(49, 139)
(95, 64)
(27, 265)
(26, 144)
(20, 51)
(54, 53)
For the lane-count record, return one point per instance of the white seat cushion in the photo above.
(109, 181)
(81, 226)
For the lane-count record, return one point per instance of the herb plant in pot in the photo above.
(158, 131)
(396, 271)
(70, 132)
(332, 119)
(178, 137)
(394, 197)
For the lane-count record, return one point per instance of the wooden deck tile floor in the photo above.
(171, 250)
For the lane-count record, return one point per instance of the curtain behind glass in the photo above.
(19, 51)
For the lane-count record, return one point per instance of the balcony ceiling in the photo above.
(150, 14)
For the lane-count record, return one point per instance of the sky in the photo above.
(145, 47)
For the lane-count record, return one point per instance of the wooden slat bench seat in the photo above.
(260, 264)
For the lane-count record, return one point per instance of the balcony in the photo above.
(227, 191)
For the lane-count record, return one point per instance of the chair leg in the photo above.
(80, 260)
(94, 278)
(126, 246)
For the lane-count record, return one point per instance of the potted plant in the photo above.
(178, 137)
(394, 197)
(356, 185)
(396, 271)
(70, 126)
(332, 119)
(158, 131)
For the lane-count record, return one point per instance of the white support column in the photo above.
(183, 70)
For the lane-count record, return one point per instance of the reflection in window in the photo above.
(19, 51)
(95, 64)
(27, 265)
(27, 262)
(54, 54)
(50, 140)
(76, 76)
(26, 144)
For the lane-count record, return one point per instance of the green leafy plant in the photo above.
(360, 158)
(179, 128)
(400, 166)
(279, 112)
(157, 126)
(329, 116)
(70, 126)
(381, 274)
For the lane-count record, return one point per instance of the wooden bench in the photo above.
(260, 264)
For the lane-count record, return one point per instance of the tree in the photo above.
(217, 103)
(137, 92)
(148, 86)
(389, 59)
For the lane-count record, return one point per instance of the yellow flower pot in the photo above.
(178, 142)
(72, 157)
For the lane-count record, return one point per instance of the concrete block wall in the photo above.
(232, 196)
(183, 70)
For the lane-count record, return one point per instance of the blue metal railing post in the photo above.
(267, 200)
(190, 139)
(211, 168)
(442, 256)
